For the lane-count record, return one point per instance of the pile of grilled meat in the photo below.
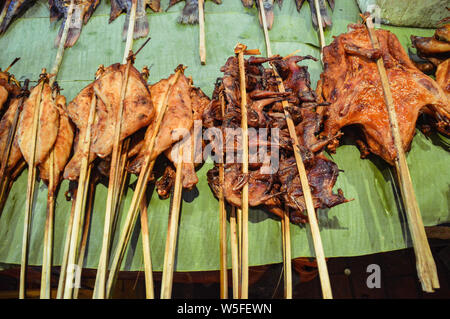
(273, 178)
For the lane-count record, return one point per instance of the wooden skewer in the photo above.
(149, 289)
(319, 22)
(80, 202)
(172, 231)
(84, 238)
(201, 24)
(48, 233)
(234, 253)
(30, 187)
(285, 223)
(239, 50)
(116, 171)
(139, 192)
(223, 224)
(426, 267)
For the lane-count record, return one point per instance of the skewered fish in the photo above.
(82, 12)
(141, 27)
(189, 15)
(48, 123)
(12, 9)
(137, 113)
(351, 84)
(62, 146)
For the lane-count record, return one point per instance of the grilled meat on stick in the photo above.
(189, 15)
(351, 84)
(8, 88)
(280, 188)
(10, 10)
(138, 112)
(141, 27)
(82, 12)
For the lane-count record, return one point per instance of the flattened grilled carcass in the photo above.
(8, 88)
(82, 12)
(177, 120)
(443, 77)
(48, 124)
(189, 15)
(141, 27)
(12, 9)
(137, 113)
(62, 146)
(5, 125)
(351, 83)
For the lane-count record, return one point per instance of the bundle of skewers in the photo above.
(119, 124)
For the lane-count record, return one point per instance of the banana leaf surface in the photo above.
(372, 222)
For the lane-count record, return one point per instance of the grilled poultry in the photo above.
(8, 88)
(137, 113)
(351, 84)
(10, 10)
(48, 123)
(443, 77)
(189, 15)
(5, 125)
(271, 187)
(82, 12)
(62, 146)
(141, 27)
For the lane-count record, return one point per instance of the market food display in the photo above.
(122, 122)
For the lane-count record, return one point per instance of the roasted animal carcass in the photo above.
(62, 146)
(138, 111)
(8, 89)
(433, 56)
(351, 84)
(273, 179)
(10, 10)
(185, 105)
(48, 123)
(5, 126)
(141, 23)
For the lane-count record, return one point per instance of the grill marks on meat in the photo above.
(351, 84)
(138, 112)
(272, 190)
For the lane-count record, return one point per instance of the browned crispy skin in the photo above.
(62, 146)
(48, 124)
(137, 113)
(351, 83)
(443, 33)
(430, 45)
(176, 123)
(5, 126)
(443, 77)
(8, 89)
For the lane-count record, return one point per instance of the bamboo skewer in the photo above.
(426, 267)
(138, 193)
(172, 231)
(116, 170)
(149, 289)
(201, 24)
(319, 22)
(80, 201)
(315, 232)
(285, 223)
(30, 187)
(223, 224)
(239, 50)
(84, 238)
(234, 253)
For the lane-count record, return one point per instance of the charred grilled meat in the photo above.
(141, 27)
(273, 179)
(189, 15)
(137, 113)
(82, 12)
(351, 84)
(12, 9)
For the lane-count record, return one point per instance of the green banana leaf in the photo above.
(372, 222)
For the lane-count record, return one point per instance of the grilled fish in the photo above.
(82, 12)
(12, 9)
(326, 18)
(141, 27)
(189, 15)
